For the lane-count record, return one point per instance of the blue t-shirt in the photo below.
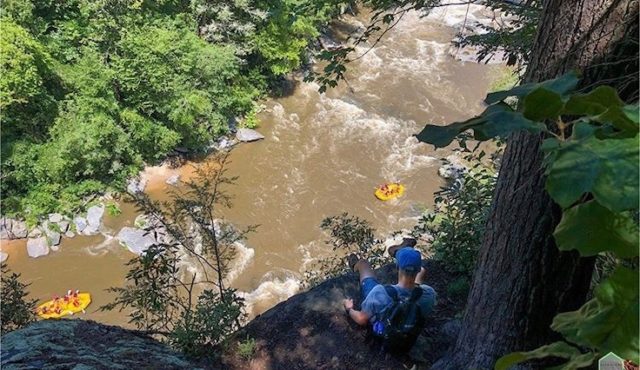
(378, 300)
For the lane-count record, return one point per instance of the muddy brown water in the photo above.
(323, 155)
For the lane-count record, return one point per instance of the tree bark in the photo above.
(521, 279)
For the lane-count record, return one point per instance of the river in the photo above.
(323, 155)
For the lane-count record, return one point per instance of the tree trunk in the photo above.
(522, 280)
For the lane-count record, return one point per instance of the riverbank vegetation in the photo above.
(177, 288)
(90, 91)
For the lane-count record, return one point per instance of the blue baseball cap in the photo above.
(409, 260)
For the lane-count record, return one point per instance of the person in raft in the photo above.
(405, 304)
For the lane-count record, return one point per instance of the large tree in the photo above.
(522, 280)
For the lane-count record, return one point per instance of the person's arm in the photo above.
(422, 276)
(360, 318)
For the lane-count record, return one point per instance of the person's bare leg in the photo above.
(364, 269)
(422, 276)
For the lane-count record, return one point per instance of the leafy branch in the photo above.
(591, 165)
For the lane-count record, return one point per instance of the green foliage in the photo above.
(347, 234)
(457, 223)
(113, 209)
(246, 348)
(90, 91)
(514, 38)
(16, 310)
(284, 38)
(562, 350)
(608, 322)
(591, 164)
(592, 229)
(189, 307)
(458, 288)
(212, 320)
(607, 169)
(28, 87)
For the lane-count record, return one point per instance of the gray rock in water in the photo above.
(136, 240)
(247, 134)
(55, 248)
(36, 232)
(3, 256)
(451, 171)
(64, 226)
(54, 237)
(136, 186)
(69, 234)
(81, 223)
(19, 229)
(55, 217)
(82, 345)
(5, 228)
(173, 180)
(37, 247)
(94, 216)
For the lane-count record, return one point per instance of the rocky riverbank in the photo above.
(308, 331)
(47, 235)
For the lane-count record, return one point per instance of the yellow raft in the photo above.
(389, 191)
(68, 305)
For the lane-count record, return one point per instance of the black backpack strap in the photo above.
(416, 294)
(392, 292)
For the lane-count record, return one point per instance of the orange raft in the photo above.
(58, 307)
(389, 191)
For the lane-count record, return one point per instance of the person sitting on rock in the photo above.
(377, 299)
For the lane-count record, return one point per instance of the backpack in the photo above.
(401, 323)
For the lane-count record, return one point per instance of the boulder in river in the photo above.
(5, 228)
(69, 234)
(55, 217)
(173, 180)
(12, 229)
(37, 247)
(64, 226)
(94, 219)
(451, 171)
(19, 229)
(54, 237)
(247, 134)
(136, 240)
(136, 185)
(3, 256)
(36, 232)
(81, 223)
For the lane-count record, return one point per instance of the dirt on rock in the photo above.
(312, 331)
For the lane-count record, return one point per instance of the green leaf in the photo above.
(519, 91)
(502, 124)
(498, 120)
(541, 104)
(577, 362)
(606, 168)
(617, 117)
(556, 349)
(632, 113)
(591, 228)
(441, 136)
(560, 85)
(593, 103)
(608, 322)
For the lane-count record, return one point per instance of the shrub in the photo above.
(458, 288)
(458, 220)
(247, 348)
(16, 310)
(191, 308)
(347, 234)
